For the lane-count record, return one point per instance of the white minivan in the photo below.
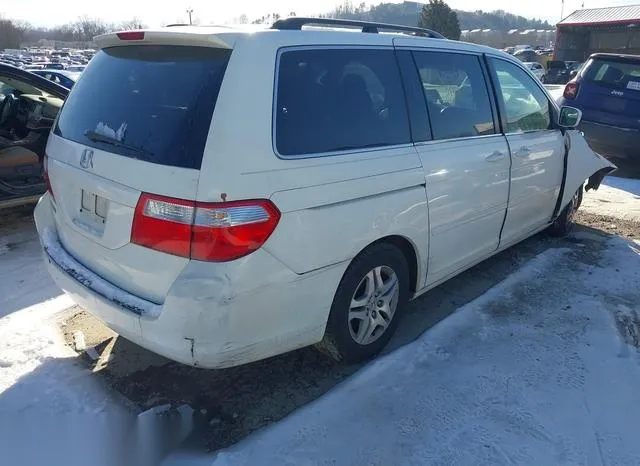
(219, 196)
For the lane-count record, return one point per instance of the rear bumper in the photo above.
(612, 141)
(215, 315)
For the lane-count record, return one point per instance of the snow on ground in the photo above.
(540, 370)
(616, 197)
(555, 90)
(53, 410)
(24, 281)
(47, 399)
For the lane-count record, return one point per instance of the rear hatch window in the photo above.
(615, 74)
(148, 102)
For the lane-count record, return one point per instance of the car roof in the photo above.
(229, 36)
(617, 57)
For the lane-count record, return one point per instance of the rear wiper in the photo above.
(97, 137)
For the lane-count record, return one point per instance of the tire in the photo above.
(564, 223)
(357, 333)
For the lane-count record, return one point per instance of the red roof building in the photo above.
(583, 32)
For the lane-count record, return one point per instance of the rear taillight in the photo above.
(45, 176)
(163, 224)
(229, 230)
(571, 90)
(213, 232)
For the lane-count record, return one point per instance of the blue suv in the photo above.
(607, 90)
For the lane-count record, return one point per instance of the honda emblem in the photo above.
(86, 161)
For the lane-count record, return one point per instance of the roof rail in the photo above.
(296, 23)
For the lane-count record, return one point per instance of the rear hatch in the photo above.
(136, 122)
(609, 91)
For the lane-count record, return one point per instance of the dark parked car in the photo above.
(559, 71)
(526, 55)
(55, 66)
(28, 106)
(607, 91)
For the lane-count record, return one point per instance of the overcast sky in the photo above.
(52, 12)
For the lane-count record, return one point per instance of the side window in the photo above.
(456, 93)
(526, 106)
(339, 99)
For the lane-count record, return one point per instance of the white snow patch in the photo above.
(555, 90)
(616, 197)
(534, 372)
(52, 410)
(24, 280)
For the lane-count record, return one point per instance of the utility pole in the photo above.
(562, 11)
(189, 11)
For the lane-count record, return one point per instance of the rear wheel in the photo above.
(367, 306)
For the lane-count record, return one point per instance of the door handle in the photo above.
(495, 156)
(523, 152)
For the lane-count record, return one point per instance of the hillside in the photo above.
(407, 14)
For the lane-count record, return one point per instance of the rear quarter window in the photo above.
(332, 100)
(615, 74)
(147, 102)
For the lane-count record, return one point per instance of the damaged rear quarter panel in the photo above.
(240, 311)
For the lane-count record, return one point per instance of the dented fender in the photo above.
(582, 164)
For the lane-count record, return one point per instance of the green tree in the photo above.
(437, 15)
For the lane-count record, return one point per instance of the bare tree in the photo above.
(10, 34)
(243, 19)
(85, 29)
(133, 23)
(262, 20)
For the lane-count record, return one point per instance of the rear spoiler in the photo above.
(203, 37)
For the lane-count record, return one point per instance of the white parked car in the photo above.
(536, 68)
(295, 186)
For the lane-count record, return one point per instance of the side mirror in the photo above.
(569, 117)
(573, 73)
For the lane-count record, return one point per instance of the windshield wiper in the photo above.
(97, 137)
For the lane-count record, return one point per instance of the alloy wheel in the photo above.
(373, 305)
